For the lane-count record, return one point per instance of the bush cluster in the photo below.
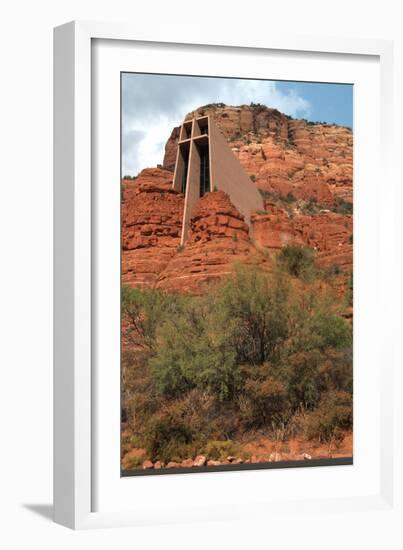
(342, 206)
(249, 354)
(297, 261)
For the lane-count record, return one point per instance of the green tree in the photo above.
(143, 311)
(194, 350)
(252, 352)
(255, 307)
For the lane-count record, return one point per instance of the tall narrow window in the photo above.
(185, 154)
(204, 170)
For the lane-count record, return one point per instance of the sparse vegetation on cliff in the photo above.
(298, 261)
(309, 206)
(213, 106)
(342, 206)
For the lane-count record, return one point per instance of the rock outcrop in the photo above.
(170, 150)
(151, 226)
(286, 158)
(328, 233)
(281, 154)
(218, 238)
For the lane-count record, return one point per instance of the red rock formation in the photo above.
(274, 229)
(328, 233)
(311, 161)
(215, 216)
(151, 226)
(218, 238)
(284, 155)
(170, 150)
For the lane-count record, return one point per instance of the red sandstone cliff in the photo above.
(284, 156)
(151, 226)
(328, 233)
(218, 238)
(281, 154)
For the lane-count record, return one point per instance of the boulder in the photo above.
(200, 460)
(275, 457)
(173, 464)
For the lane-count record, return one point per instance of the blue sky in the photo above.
(153, 104)
(331, 103)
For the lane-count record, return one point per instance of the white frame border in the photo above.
(72, 271)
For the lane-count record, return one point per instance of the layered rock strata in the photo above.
(281, 154)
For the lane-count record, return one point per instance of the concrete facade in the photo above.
(205, 163)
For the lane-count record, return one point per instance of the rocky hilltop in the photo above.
(304, 172)
(281, 154)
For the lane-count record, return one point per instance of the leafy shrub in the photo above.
(220, 450)
(195, 351)
(335, 370)
(332, 331)
(217, 105)
(235, 137)
(263, 399)
(256, 314)
(331, 271)
(268, 194)
(297, 261)
(342, 206)
(350, 292)
(301, 375)
(258, 106)
(290, 197)
(311, 206)
(257, 351)
(167, 441)
(333, 415)
(316, 356)
(144, 311)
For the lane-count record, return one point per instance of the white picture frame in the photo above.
(79, 434)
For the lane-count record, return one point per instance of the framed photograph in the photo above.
(237, 262)
(223, 337)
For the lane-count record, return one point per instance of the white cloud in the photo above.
(153, 104)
